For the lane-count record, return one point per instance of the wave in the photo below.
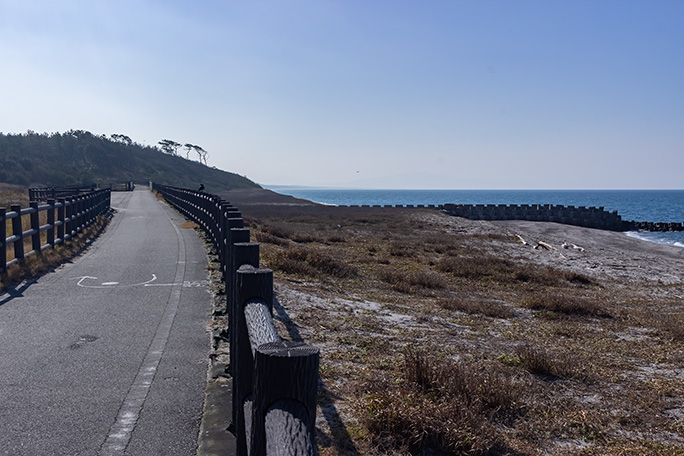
(675, 239)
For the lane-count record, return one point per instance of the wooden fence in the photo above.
(65, 218)
(275, 382)
(65, 191)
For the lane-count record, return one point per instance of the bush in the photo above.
(486, 267)
(543, 363)
(488, 308)
(311, 262)
(567, 305)
(408, 282)
(440, 405)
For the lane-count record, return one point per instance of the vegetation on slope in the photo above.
(80, 157)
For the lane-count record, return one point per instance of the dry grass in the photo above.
(555, 303)
(443, 336)
(40, 263)
(13, 194)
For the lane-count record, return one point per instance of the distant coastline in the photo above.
(639, 205)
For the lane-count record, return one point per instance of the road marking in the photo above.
(186, 284)
(111, 284)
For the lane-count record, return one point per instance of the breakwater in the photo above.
(589, 217)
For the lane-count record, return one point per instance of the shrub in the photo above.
(567, 305)
(286, 233)
(483, 307)
(543, 363)
(486, 267)
(311, 262)
(407, 282)
(268, 238)
(474, 267)
(440, 405)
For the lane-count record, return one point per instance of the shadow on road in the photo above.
(16, 291)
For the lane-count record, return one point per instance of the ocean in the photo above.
(638, 205)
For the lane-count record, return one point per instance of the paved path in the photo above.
(108, 354)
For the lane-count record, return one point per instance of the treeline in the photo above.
(81, 157)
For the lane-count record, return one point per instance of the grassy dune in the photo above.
(440, 335)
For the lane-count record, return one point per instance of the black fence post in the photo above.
(244, 253)
(3, 239)
(284, 406)
(61, 215)
(237, 235)
(80, 203)
(68, 223)
(252, 283)
(35, 226)
(231, 224)
(18, 233)
(51, 222)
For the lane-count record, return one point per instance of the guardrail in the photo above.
(275, 382)
(65, 218)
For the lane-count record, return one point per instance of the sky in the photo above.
(514, 94)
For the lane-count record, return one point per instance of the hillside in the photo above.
(80, 157)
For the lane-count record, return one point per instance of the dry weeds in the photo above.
(445, 336)
(39, 263)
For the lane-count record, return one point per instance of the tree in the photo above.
(203, 154)
(169, 147)
(122, 139)
(188, 148)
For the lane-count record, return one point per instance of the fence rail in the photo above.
(65, 191)
(65, 218)
(274, 381)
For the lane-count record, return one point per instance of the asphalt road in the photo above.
(108, 354)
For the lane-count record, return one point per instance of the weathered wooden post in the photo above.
(237, 235)
(68, 210)
(51, 222)
(61, 216)
(3, 239)
(80, 203)
(244, 253)
(17, 233)
(252, 283)
(223, 236)
(35, 227)
(231, 224)
(284, 408)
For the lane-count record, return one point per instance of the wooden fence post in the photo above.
(61, 215)
(251, 283)
(68, 223)
(35, 226)
(237, 235)
(3, 239)
(284, 408)
(80, 202)
(17, 231)
(51, 222)
(244, 253)
(231, 224)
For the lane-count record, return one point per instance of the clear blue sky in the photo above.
(394, 94)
